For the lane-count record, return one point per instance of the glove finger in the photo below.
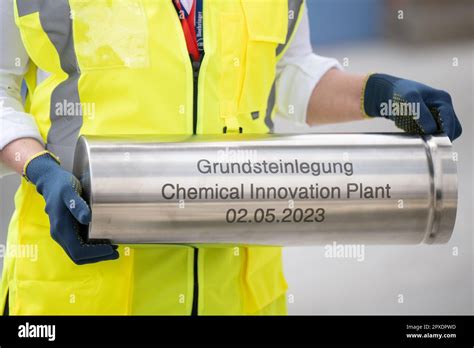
(426, 120)
(458, 131)
(90, 253)
(420, 123)
(448, 120)
(113, 256)
(80, 253)
(78, 207)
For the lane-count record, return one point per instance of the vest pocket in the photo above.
(267, 25)
(264, 280)
(110, 34)
(232, 45)
(267, 20)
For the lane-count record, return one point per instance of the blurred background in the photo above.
(431, 41)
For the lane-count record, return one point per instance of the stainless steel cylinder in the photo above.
(269, 189)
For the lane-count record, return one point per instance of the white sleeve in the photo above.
(298, 72)
(14, 122)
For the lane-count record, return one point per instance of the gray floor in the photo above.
(431, 279)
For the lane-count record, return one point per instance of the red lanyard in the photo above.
(187, 22)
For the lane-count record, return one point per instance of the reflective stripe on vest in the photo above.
(294, 15)
(294, 12)
(55, 17)
(26, 7)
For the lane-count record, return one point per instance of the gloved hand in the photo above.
(414, 107)
(66, 209)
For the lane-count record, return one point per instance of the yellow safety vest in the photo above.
(122, 67)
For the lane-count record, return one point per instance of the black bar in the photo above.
(257, 330)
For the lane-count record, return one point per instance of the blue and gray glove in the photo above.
(414, 107)
(66, 209)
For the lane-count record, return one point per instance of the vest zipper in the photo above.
(196, 67)
(194, 310)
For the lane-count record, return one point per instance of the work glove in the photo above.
(66, 209)
(414, 107)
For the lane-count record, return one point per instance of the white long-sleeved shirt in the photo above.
(298, 72)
